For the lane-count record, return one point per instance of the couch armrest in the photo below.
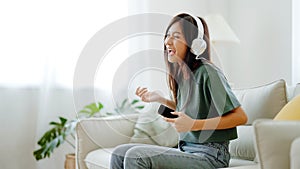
(105, 132)
(273, 142)
(295, 154)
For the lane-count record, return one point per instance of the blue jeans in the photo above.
(187, 156)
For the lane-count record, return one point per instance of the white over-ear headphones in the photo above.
(198, 45)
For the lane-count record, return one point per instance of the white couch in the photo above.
(264, 144)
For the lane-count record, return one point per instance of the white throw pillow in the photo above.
(243, 146)
(150, 128)
(263, 101)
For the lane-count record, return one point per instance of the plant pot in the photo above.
(70, 161)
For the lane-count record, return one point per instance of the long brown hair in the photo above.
(190, 32)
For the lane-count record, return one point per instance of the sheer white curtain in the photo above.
(40, 42)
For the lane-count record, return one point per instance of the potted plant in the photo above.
(64, 130)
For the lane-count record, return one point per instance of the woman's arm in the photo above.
(184, 123)
(154, 96)
(235, 118)
(169, 103)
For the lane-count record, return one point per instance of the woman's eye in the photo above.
(177, 37)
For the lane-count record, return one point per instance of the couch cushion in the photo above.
(99, 159)
(239, 162)
(150, 128)
(243, 146)
(263, 101)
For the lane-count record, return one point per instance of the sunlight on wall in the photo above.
(41, 40)
(109, 65)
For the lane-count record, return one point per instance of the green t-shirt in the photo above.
(206, 95)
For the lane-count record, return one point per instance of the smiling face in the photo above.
(175, 44)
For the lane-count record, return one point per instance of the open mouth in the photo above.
(171, 52)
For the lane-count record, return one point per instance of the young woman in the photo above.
(208, 112)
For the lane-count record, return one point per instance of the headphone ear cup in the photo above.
(198, 46)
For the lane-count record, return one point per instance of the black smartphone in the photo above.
(166, 112)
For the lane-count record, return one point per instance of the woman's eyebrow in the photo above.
(174, 32)
(177, 32)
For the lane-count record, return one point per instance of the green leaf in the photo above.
(48, 148)
(100, 106)
(139, 107)
(92, 107)
(63, 120)
(84, 112)
(123, 103)
(117, 110)
(128, 106)
(134, 101)
(37, 154)
(54, 123)
(109, 113)
(54, 137)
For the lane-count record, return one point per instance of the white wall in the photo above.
(296, 42)
(264, 54)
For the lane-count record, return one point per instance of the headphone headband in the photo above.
(199, 25)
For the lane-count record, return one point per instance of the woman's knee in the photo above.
(136, 152)
(137, 157)
(121, 150)
(118, 155)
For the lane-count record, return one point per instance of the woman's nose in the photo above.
(168, 40)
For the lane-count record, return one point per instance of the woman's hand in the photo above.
(183, 123)
(148, 96)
